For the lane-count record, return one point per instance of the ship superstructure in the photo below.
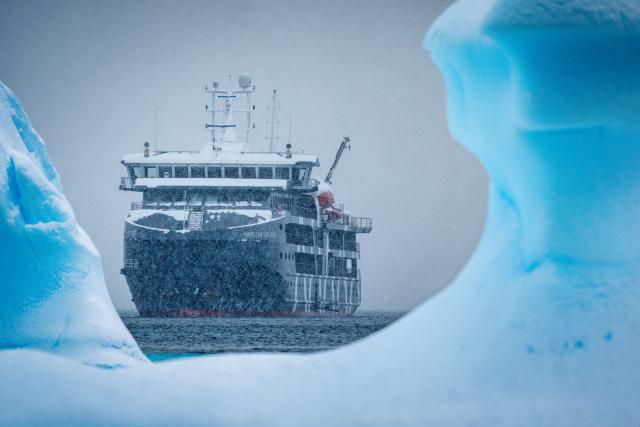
(228, 231)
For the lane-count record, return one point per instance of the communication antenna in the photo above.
(155, 129)
(290, 126)
(274, 118)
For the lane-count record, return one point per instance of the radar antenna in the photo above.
(344, 144)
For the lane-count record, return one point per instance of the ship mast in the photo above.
(229, 97)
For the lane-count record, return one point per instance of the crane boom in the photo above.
(343, 145)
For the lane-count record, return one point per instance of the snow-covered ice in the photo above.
(52, 291)
(542, 327)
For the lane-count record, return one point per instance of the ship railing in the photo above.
(281, 202)
(311, 269)
(362, 224)
(136, 206)
(126, 183)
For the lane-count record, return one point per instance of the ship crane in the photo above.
(343, 145)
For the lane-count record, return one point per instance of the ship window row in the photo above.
(297, 234)
(342, 240)
(337, 266)
(298, 174)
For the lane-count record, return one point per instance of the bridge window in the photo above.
(197, 171)
(136, 172)
(282, 173)
(265, 173)
(297, 234)
(214, 172)
(299, 174)
(151, 172)
(165, 172)
(181, 172)
(249, 173)
(231, 172)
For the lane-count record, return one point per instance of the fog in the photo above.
(91, 75)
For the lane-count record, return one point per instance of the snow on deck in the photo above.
(218, 158)
(183, 215)
(178, 215)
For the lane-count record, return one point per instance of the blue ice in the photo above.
(52, 292)
(542, 327)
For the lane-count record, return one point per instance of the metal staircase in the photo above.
(195, 221)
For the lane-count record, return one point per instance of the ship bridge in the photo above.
(184, 169)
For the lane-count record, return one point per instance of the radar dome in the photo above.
(244, 81)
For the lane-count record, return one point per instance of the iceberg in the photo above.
(52, 292)
(542, 327)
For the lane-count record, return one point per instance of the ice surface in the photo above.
(52, 291)
(543, 325)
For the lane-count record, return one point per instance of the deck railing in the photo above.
(361, 222)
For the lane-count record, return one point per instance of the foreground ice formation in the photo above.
(52, 291)
(543, 325)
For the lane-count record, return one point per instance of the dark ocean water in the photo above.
(168, 338)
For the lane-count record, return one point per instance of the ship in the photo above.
(227, 231)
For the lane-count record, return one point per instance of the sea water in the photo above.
(169, 338)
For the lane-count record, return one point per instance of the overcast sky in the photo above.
(91, 74)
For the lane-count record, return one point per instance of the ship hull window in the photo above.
(195, 199)
(336, 239)
(249, 173)
(350, 241)
(211, 199)
(265, 173)
(282, 173)
(231, 173)
(165, 172)
(181, 172)
(150, 198)
(297, 234)
(165, 199)
(214, 172)
(179, 199)
(197, 171)
(307, 264)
